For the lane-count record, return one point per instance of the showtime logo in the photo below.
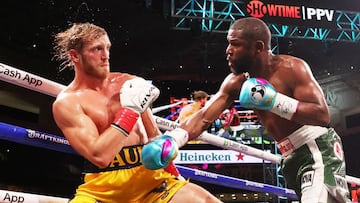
(258, 9)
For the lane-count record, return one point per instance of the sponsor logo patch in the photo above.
(341, 182)
(286, 147)
(307, 179)
(339, 153)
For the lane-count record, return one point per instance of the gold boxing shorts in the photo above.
(126, 180)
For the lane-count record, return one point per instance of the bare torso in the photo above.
(101, 106)
(279, 75)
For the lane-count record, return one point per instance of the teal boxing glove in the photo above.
(161, 151)
(259, 93)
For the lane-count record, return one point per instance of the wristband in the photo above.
(125, 120)
(285, 106)
(171, 168)
(180, 135)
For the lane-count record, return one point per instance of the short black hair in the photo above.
(253, 29)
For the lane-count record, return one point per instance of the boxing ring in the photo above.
(35, 138)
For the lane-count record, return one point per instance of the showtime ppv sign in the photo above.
(290, 14)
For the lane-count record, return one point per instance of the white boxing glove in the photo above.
(136, 95)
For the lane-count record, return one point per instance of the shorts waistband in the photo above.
(128, 157)
(300, 137)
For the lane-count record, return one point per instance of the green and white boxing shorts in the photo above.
(314, 165)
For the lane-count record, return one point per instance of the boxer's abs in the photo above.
(277, 127)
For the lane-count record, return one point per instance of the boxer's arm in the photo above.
(135, 96)
(259, 93)
(302, 100)
(152, 131)
(201, 120)
(161, 151)
(151, 128)
(312, 109)
(82, 133)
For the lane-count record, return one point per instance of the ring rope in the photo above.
(236, 146)
(42, 85)
(21, 197)
(31, 137)
(29, 81)
(161, 108)
(44, 140)
(236, 183)
(165, 124)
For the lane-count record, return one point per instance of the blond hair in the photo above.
(200, 94)
(74, 38)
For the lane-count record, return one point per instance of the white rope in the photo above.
(20, 197)
(30, 81)
(42, 85)
(161, 108)
(165, 124)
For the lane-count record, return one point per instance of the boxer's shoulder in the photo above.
(120, 77)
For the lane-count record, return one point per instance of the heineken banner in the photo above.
(215, 157)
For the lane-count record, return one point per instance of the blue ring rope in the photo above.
(34, 138)
(58, 143)
(236, 183)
